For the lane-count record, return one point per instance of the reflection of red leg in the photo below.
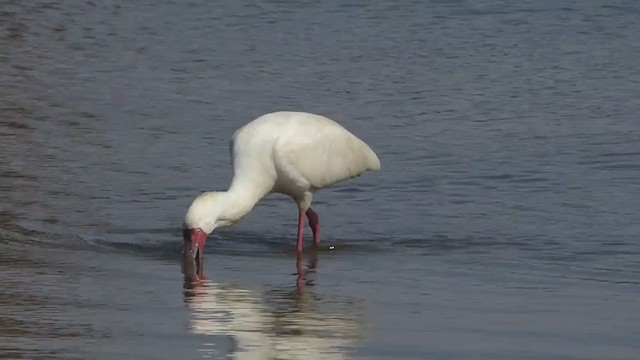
(313, 263)
(300, 271)
(300, 231)
(315, 226)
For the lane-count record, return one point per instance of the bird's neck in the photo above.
(239, 200)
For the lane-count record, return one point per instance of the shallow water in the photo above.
(504, 223)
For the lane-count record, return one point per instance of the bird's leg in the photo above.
(315, 226)
(300, 231)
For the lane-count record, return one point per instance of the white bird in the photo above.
(292, 153)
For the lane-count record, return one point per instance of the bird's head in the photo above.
(199, 222)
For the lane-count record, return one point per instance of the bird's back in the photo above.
(299, 149)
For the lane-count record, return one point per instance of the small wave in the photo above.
(161, 250)
(230, 243)
(15, 235)
(135, 231)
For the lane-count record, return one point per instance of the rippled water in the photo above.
(504, 224)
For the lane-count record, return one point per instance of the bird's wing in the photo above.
(324, 155)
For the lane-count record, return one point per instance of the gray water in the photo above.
(504, 224)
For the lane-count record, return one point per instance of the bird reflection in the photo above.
(301, 272)
(286, 324)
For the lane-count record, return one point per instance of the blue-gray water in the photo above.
(504, 224)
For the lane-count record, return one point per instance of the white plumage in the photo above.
(296, 153)
(292, 153)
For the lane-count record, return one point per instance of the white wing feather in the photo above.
(324, 155)
(305, 150)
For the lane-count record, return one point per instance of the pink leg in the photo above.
(315, 226)
(300, 231)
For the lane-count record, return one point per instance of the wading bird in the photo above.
(292, 153)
